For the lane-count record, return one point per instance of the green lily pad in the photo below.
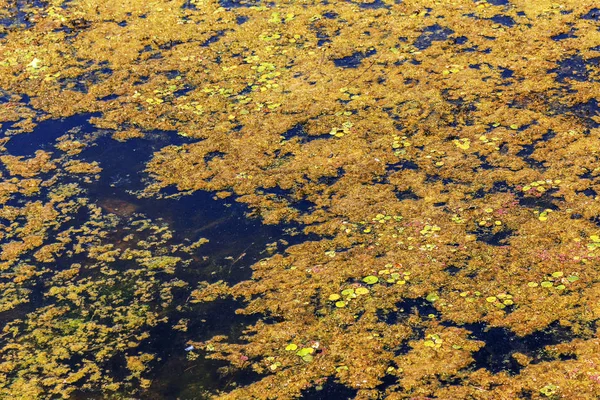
(549, 390)
(362, 290)
(305, 351)
(432, 297)
(370, 280)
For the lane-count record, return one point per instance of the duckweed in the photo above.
(432, 297)
(304, 351)
(308, 358)
(549, 390)
(433, 341)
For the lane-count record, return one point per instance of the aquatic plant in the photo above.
(451, 145)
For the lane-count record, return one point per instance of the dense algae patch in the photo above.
(442, 196)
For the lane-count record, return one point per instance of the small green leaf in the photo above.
(305, 351)
(432, 297)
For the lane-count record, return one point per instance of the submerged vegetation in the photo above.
(440, 158)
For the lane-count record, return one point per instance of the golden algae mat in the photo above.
(404, 196)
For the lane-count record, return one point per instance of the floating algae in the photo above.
(453, 144)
